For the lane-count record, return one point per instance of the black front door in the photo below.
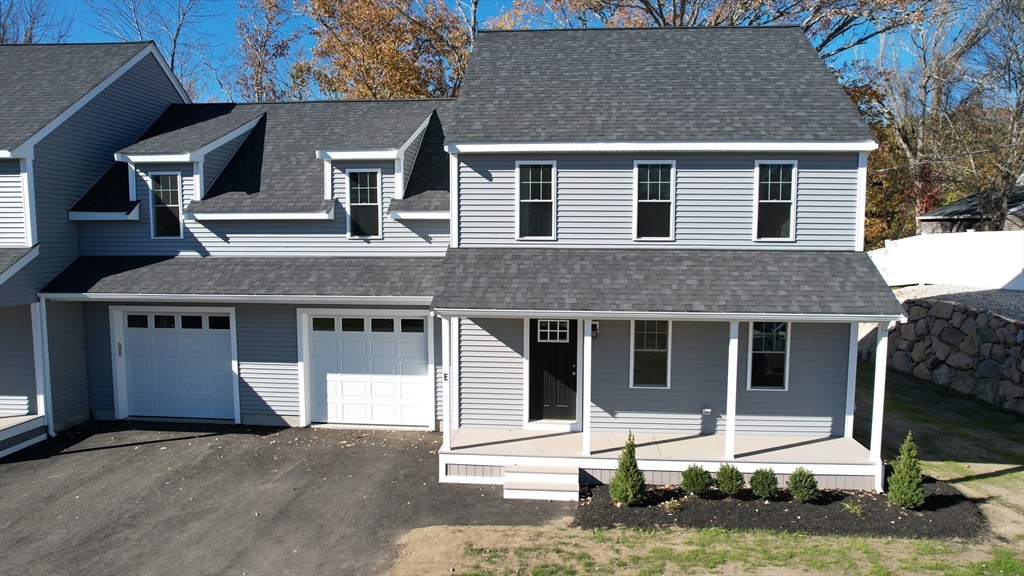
(553, 370)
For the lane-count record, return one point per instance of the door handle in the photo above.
(119, 351)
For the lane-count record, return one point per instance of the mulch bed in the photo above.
(946, 513)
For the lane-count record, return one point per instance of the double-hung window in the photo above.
(364, 210)
(769, 347)
(536, 200)
(165, 206)
(654, 191)
(775, 212)
(650, 361)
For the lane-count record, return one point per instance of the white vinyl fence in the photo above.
(979, 259)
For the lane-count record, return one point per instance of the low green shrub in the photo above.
(803, 485)
(764, 484)
(628, 485)
(696, 480)
(905, 483)
(729, 480)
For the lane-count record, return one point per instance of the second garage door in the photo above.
(370, 370)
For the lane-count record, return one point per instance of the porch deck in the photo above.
(760, 450)
(17, 432)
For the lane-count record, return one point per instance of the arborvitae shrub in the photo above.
(905, 488)
(764, 484)
(628, 486)
(729, 480)
(803, 485)
(696, 480)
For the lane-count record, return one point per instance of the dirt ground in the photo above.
(974, 446)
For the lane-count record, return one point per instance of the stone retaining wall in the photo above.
(970, 350)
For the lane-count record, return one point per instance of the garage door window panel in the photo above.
(353, 325)
(412, 325)
(323, 324)
(382, 325)
(220, 322)
(163, 321)
(192, 322)
(138, 321)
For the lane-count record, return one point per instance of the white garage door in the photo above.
(370, 370)
(179, 365)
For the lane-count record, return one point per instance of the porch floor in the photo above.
(663, 446)
(12, 421)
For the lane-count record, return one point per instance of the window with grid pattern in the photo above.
(650, 353)
(536, 201)
(166, 206)
(654, 200)
(768, 355)
(552, 330)
(775, 201)
(364, 204)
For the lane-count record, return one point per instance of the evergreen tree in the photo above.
(905, 489)
(628, 486)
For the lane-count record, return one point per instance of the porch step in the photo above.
(542, 483)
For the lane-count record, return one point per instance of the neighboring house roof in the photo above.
(967, 208)
(358, 276)
(40, 81)
(674, 281)
(109, 194)
(703, 84)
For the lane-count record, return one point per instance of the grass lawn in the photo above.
(973, 445)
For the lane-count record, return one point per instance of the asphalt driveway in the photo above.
(145, 498)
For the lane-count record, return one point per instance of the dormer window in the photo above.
(652, 214)
(775, 206)
(165, 206)
(364, 210)
(536, 200)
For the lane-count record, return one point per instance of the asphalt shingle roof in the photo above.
(428, 187)
(248, 276)
(656, 280)
(39, 81)
(9, 256)
(716, 84)
(276, 168)
(968, 207)
(109, 194)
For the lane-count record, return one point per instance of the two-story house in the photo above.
(64, 110)
(609, 230)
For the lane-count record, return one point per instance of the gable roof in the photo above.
(110, 193)
(38, 82)
(705, 84)
(693, 282)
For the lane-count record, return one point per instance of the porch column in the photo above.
(588, 354)
(730, 397)
(446, 387)
(36, 311)
(851, 380)
(453, 376)
(878, 404)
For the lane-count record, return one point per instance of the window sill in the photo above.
(654, 239)
(775, 240)
(766, 389)
(537, 239)
(349, 237)
(649, 387)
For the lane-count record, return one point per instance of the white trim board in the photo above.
(25, 149)
(247, 298)
(695, 316)
(228, 216)
(386, 154)
(21, 263)
(769, 146)
(112, 216)
(399, 215)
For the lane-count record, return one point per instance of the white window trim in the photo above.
(750, 358)
(757, 202)
(181, 205)
(632, 354)
(671, 201)
(118, 317)
(348, 204)
(554, 200)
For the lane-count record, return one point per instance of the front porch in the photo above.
(20, 431)
(481, 455)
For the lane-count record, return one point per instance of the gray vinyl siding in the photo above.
(815, 403)
(17, 362)
(268, 351)
(215, 161)
(70, 159)
(714, 205)
(13, 231)
(281, 238)
(491, 373)
(99, 361)
(699, 370)
(409, 159)
(69, 384)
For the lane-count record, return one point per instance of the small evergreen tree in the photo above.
(729, 480)
(905, 488)
(803, 485)
(696, 480)
(628, 486)
(764, 484)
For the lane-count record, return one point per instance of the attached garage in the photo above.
(175, 363)
(368, 368)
